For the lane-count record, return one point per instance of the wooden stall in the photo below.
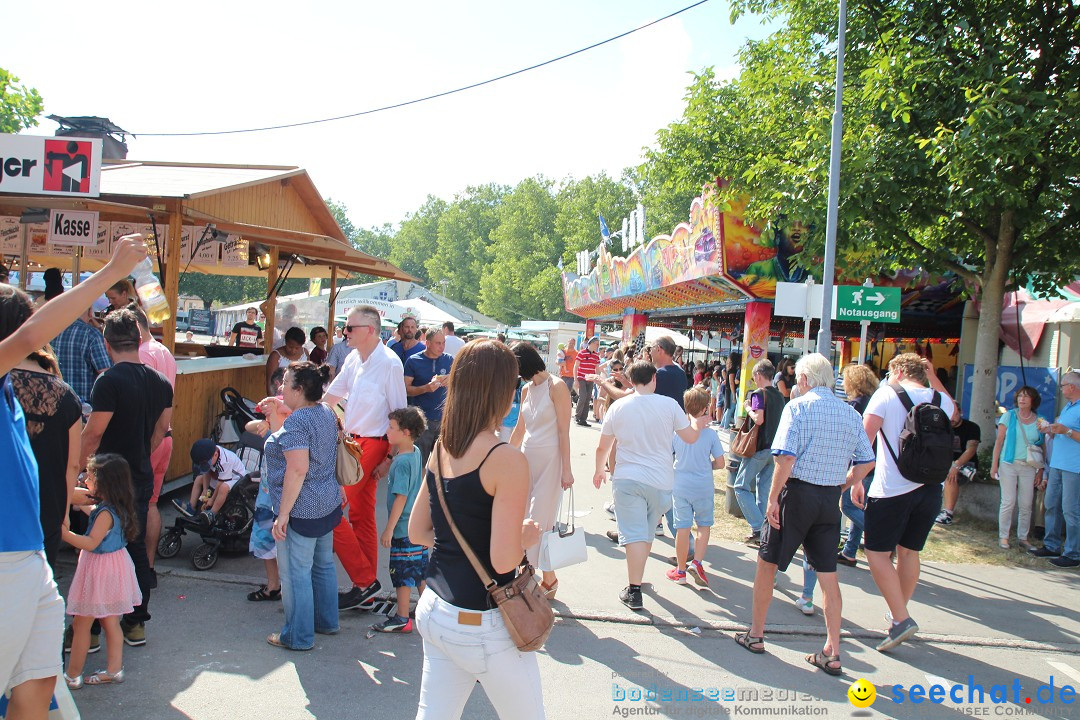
(245, 220)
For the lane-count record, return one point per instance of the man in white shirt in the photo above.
(643, 424)
(899, 513)
(373, 381)
(453, 342)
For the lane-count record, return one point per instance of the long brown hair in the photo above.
(483, 379)
(112, 480)
(15, 309)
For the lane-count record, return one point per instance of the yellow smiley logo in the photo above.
(861, 693)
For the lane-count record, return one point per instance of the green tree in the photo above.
(416, 239)
(341, 213)
(522, 278)
(959, 150)
(463, 251)
(19, 105)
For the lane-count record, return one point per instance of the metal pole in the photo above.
(24, 233)
(807, 316)
(824, 338)
(76, 266)
(862, 330)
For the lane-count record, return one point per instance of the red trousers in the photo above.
(356, 539)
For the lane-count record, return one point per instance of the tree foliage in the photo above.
(960, 146)
(19, 105)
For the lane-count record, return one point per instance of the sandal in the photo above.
(550, 590)
(73, 683)
(104, 677)
(824, 662)
(755, 645)
(263, 594)
(275, 640)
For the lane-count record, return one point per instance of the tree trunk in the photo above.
(987, 344)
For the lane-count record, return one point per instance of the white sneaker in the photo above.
(806, 607)
(609, 508)
(660, 529)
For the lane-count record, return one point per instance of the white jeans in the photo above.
(457, 655)
(1017, 486)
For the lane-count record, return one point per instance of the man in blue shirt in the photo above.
(426, 374)
(1063, 482)
(670, 378)
(408, 344)
(820, 448)
(80, 351)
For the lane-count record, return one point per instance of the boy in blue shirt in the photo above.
(692, 496)
(408, 561)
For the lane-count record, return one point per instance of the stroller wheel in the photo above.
(205, 556)
(169, 544)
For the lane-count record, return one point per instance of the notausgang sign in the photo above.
(877, 304)
(73, 227)
(35, 165)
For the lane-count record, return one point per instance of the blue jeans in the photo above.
(854, 513)
(1062, 520)
(308, 588)
(752, 485)
(809, 580)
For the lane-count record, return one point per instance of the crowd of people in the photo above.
(473, 442)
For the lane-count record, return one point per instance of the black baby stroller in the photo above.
(230, 530)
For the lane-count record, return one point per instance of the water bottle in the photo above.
(150, 292)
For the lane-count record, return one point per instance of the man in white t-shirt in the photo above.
(899, 513)
(643, 424)
(453, 342)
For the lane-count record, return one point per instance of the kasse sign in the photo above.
(35, 165)
(73, 227)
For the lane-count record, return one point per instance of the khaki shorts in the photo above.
(32, 621)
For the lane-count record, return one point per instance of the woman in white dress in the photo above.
(543, 434)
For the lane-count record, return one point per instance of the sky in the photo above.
(204, 66)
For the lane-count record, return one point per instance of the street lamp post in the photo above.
(824, 338)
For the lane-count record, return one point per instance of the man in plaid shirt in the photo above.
(80, 350)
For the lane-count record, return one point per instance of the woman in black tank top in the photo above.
(486, 484)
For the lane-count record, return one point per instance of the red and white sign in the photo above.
(36, 165)
(73, 227)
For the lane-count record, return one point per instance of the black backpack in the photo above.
(926, 441)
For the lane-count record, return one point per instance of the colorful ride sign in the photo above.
(876, 304)
(716, 256)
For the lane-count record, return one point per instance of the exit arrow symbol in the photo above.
(876, 298)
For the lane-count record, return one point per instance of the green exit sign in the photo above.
(877, 304)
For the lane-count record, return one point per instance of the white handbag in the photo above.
(563, 545)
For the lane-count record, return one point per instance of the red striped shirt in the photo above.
(587, 362)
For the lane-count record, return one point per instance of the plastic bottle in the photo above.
(150, 292)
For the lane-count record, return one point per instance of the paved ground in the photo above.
(206, 657)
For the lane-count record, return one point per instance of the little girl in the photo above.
(104, 586)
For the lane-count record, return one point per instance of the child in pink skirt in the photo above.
(104, 586)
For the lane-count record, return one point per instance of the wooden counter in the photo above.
(197, 399)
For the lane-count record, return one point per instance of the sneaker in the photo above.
(95, 641)
(612, 536)
(1064, 562)
(584, 423)
(660, 529)
(355, 597)
(944, 518)
(134, 633)
(609, 508)
(806, 607)
(1044, 552)
(394, 624)
(900, 632)
(184, 507)
(695, 569)
(631, 598)
(207, 517)
(676, 575)
(753, 539)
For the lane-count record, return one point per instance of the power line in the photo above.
(430, 97)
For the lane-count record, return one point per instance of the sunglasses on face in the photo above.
(350, 328)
